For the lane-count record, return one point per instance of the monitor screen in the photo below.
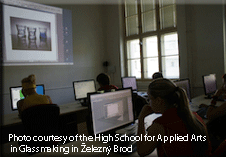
(185, 84)
(81, 88)
(129, 82)
(209, 83)
(111, 110)
(16, 94)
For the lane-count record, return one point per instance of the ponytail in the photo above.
(177, 97)
(193, 125)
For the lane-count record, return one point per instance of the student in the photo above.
(217, 119)
(104, 82)
(213, 111)
(157, 75)
(31, 98)
(176, 120)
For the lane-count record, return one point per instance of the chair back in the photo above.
(221, 149)
(41, 120)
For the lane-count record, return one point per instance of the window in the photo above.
(151, 38)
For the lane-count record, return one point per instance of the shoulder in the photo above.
(20, 102)
(156, 129)
(113, 86)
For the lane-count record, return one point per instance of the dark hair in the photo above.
(224, 76)
(176, 96)
(157, 75)
(103, 79)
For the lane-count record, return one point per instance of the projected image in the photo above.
(29, 34)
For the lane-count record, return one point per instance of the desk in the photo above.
(201, 100)
(13, 119)
(12, 124)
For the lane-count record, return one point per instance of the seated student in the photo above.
(31, 98)
(104, 82)
(176, 120)
(217, 119)
(157, 75)
(212, 110)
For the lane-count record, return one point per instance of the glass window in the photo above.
(151, 46)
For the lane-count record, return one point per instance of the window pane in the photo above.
(170, 67)
(134, 68)
(168, 16)
(147, 5)
(170, 44)
(131, 7)
(151, 65)
(133, 49)
(165, 3)
(132, 25)
(150, 47)
(148, 21)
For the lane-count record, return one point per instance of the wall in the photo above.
(113, 37)
(205, 43)
(88, 49)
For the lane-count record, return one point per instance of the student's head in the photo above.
(28, 85)
(224, 78)
(164, 94)
(157, 75)
(103, 79)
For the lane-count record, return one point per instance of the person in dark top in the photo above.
(104, 82)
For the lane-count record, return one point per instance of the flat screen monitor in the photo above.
(82, 87)
(210, 84)
(16, 94)
(111, 110)
(185, 84)
(129, 82)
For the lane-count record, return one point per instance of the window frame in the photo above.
(158, 32)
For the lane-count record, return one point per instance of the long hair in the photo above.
(177, 97)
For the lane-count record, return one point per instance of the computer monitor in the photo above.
(16, 94)
(82, 87)
(185, 84)
(210, 84)
(110, 111)
(129, 82)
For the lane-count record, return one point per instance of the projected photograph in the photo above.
(29, 34)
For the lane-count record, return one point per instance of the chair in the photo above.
(221, 149)
(41, 120)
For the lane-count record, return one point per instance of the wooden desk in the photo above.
(13, 119)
